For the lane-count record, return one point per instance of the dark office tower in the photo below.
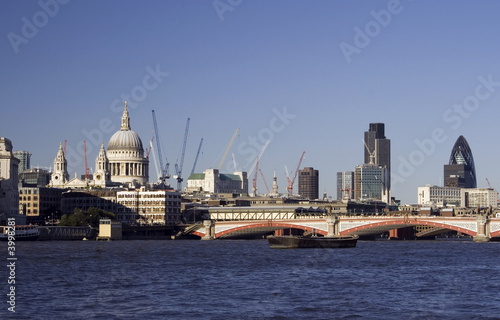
(378, 148)
(309, 183)
(460, 172)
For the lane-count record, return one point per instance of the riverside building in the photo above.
(39, 201)
(86, 199)
(9, 171)
(154, 207)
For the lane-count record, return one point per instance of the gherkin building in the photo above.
(460, 171)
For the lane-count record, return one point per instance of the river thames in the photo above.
(235, 279)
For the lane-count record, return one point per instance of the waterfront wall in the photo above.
(66, 233)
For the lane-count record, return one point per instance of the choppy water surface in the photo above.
(247, 280)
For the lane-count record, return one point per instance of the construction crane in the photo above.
(227, 149)
(489, 185)
(234, 162)
(196, 158)
(255, 177)
(372, 154)
(178, 168)
(291, 182)
(346, 193)
(265, 183)
(498, 195)
(148, 150)
(64, 150)
(261, 152)
(85, 154)
(158, 174)
(163, 170)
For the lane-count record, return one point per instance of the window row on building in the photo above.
(456, 196)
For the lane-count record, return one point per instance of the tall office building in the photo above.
(460, 171)
(24, 160)
(370, 182)
(378, 148)
(345, 185)
(309, 183)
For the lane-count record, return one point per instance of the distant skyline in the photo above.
(308, 76)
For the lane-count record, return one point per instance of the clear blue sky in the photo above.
(311, 75)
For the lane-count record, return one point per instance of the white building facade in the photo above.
(479, 197)
(155, 207)
(439, 196)
(454, 196)
(212, 181)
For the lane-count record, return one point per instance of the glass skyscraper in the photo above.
(378, 148)
(460, 171)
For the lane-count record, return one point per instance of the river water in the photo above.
(233, 279)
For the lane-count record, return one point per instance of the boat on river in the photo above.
(21, 233)
(293, 242)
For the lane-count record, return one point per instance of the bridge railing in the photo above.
(263, 215)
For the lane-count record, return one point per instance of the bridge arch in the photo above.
(342, 226)
(269, 226)
(383, 226)
(495, 234)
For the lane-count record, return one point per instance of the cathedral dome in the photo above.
(125, 140)
(127, 163)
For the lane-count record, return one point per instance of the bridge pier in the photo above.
(209, 230)
(483, 229)
(332, 226)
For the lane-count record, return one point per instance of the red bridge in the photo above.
(481, 228)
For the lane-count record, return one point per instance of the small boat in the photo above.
(293, 242)
(19, 233)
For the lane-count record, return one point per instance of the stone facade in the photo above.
(9, 196)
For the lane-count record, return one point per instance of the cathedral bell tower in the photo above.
(60, 174)
(101, 175)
